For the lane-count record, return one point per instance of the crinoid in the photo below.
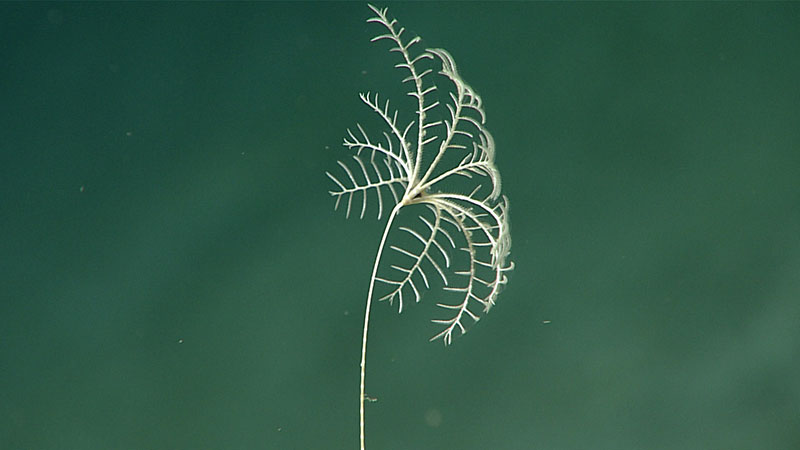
(461, 239)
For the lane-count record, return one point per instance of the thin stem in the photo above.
(362, 397)
(451, 132)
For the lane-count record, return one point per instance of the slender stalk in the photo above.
(362, 397)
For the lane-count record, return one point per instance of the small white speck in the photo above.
(433, 417)
(545, 322)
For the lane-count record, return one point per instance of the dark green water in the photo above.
(173, 276)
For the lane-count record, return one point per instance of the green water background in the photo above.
(173, 275)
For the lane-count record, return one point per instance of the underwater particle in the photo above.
(433, 417)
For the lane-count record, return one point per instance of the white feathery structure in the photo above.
(412, 163)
